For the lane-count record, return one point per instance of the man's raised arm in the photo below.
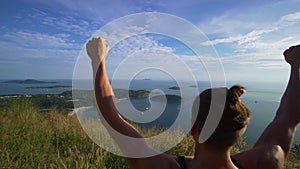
(282, 129)
(133, 142)
(97, 50)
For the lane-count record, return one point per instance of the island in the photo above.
(133, 94)
(49, 87)
(174, 88)
(170, 98)
(193, 86)
(140, 94)
(27, 81)
(70, 99)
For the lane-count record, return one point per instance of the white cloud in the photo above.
(140, 43)
(68, 23)
(226, 25)
(242, 39)
(254, 43)
(259, 55)
(253, 35)
(35, 40)
(264, 42)
(10, 52)
(146, 51)
(253, 49)
(224, 40)
(293, 17)
(23, 62)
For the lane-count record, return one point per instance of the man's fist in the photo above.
(292, 55)
(97, 49)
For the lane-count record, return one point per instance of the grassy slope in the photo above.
(55, 140)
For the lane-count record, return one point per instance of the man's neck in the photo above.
(207, 157)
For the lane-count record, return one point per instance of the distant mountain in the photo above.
(49, 87)
(133, 94)
(193, 86)
(174, 88)
(27, 81)
(170, 98)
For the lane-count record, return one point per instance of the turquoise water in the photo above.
(20, 89)
(262, 99)
(262, 114)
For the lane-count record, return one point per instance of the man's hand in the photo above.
(292, 55)
(97, 49)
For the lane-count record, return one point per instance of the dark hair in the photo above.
(234, 118)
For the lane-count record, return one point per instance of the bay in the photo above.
(262, 99)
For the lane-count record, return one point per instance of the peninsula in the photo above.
(174, 88)
(49, 87)
(170, 98)
(28, 81)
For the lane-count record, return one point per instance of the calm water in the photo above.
(15, 88)
(262, 99)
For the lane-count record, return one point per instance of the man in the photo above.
(269, 152)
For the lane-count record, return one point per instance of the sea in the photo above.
(262, 98)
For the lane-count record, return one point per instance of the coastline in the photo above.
(262, 101)
(79, 110)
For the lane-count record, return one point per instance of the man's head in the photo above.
(233, 122)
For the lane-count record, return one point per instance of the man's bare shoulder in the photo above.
(261, 157)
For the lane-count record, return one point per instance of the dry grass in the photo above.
(54, 140)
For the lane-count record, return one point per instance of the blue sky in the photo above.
(42, 39)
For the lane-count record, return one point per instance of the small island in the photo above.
(133, 94)
(170, 98)
(193, 86)
(137, 94)
(174, 88)
(27, 81)
(49, 87)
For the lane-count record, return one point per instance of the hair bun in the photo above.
(237, 90)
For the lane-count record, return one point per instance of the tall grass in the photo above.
(54, 140)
